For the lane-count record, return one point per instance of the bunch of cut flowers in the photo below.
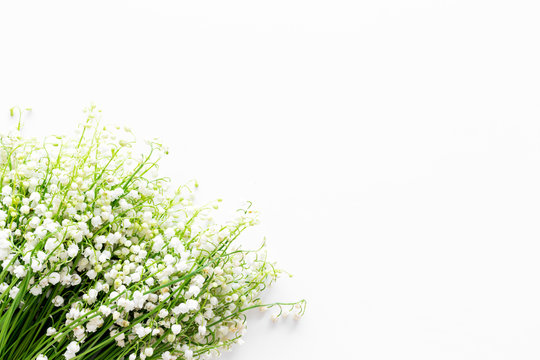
(100, 258)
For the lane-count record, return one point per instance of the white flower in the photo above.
(75, 279)
(19, 271)
(7, 201)
(58, 301)
(166, 356)
(96, 221)
(192, 304)
(105, 255)
(13, 292)
(91, 274)
(139, 299)
(141, 331)
(73, 250)
(35, 197)
(6, 190)
(36, 290)
(193, 291)
(202, 330)
(4, 251)
(158, 243)
(180, 309)
(41, 357)
(176, 329)
(71, 350)
(51, 331)
(54, 278)
(73, 347)
(105, 310)
(78, 332)
(148, 351)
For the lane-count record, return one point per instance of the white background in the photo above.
(393, 148)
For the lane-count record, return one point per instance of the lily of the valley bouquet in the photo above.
(101, 259)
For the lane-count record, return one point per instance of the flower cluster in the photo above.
(100, 258)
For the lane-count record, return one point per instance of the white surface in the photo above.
(393, 148)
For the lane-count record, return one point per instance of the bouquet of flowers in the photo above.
(102, 259)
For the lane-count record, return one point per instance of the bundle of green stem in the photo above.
(100, 258)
